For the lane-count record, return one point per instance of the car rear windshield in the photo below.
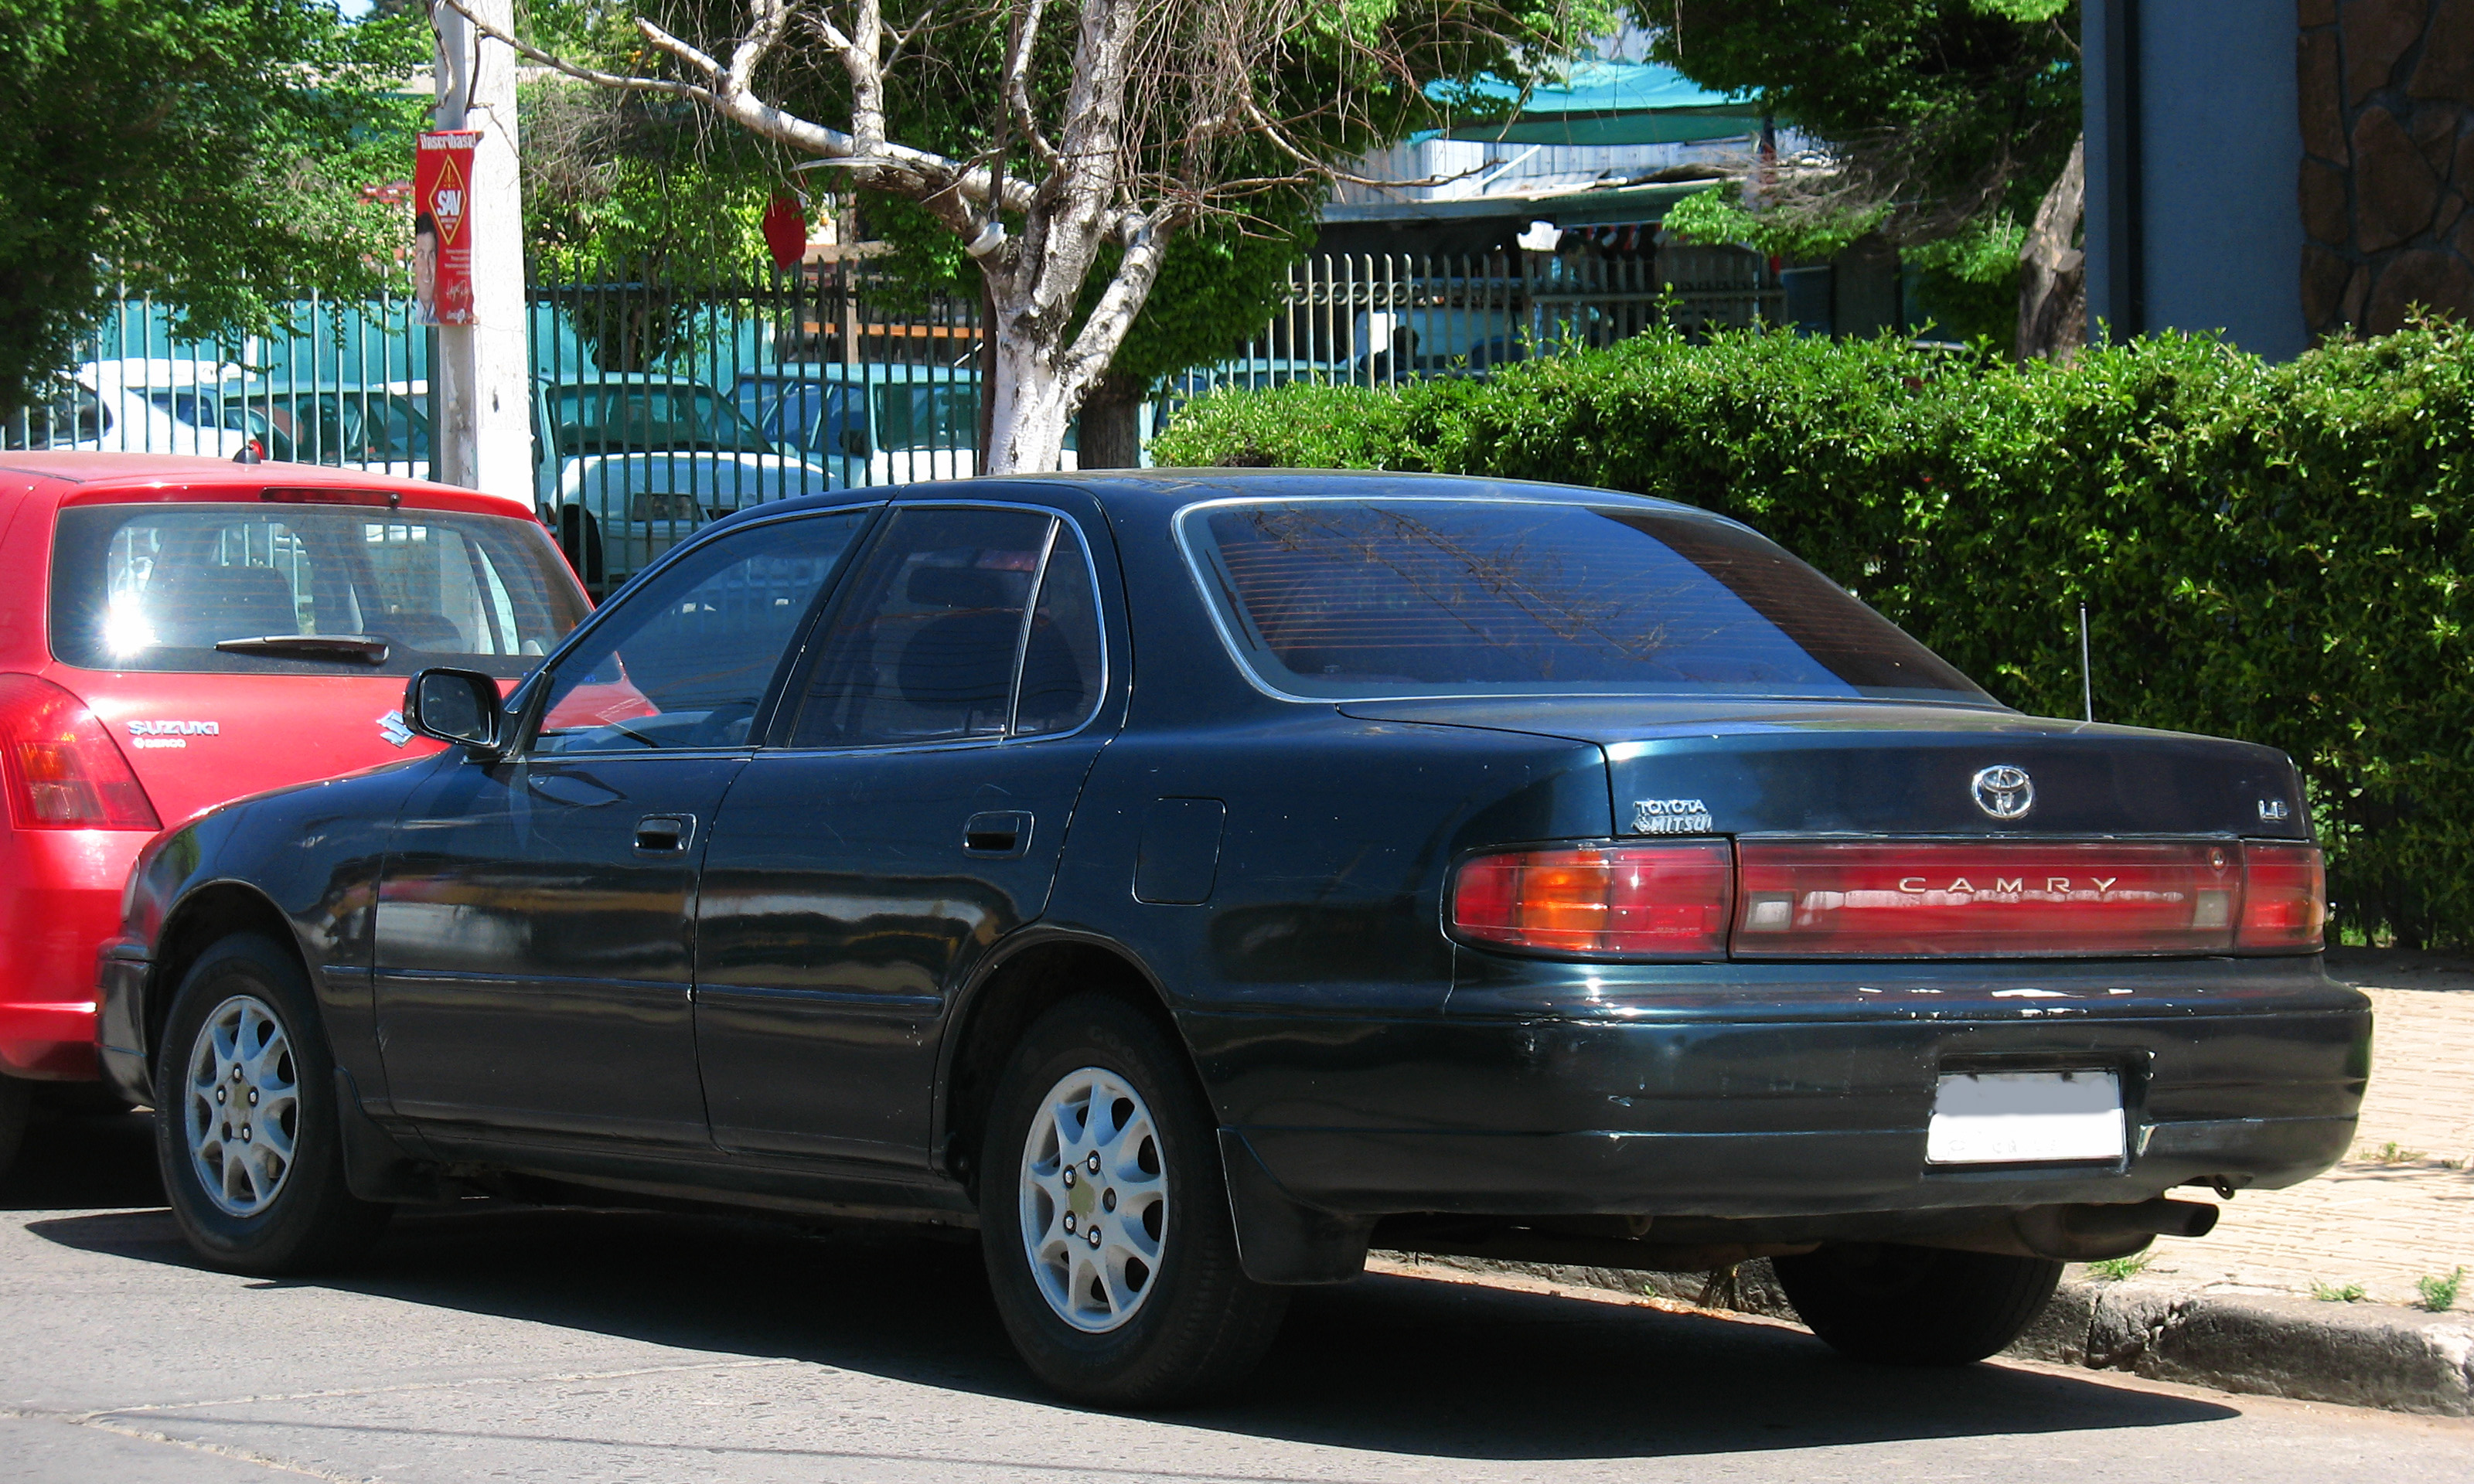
(158, 586)
(649, 417)
(1359, 598)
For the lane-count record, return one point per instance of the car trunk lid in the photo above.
(1828, 768)
(196, 741)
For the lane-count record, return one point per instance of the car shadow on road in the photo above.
(83, 1161)
(1407, 1365)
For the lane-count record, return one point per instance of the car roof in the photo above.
(1162, 492)
(620, 380)
(83, 478)
(155, 373)
(873, 373)
(280, 389)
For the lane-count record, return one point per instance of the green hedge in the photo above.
(2271, 552)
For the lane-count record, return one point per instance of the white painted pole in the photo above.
(482, 386)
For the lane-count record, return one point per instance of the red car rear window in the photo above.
(160, 585)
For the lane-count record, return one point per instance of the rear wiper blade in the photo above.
(360, 649)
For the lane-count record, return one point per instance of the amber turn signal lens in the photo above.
(1632, 902)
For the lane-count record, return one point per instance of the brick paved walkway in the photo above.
(2402, 1207)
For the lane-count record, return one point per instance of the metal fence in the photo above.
(660, 405)
(1381, 320)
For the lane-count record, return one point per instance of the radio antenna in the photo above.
(2087, 674)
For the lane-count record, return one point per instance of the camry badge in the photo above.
(2005, 792)
(392, 728)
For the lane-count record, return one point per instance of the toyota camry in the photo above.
(1185, 879)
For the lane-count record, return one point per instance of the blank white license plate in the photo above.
(2024, 1118)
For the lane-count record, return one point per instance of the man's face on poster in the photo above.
(424, 266)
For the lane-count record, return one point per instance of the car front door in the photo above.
(534, 953)
(911, 817)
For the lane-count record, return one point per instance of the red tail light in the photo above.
(1635, 901)
(63, 772)
(2285, 897)
(1998, 899)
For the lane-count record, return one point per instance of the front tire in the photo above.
(246, 1127)
(1893, 1304)
(1103, 1217)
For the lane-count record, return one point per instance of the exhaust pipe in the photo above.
(2085, 1233)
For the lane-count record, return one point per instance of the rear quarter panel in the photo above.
(1326, 897)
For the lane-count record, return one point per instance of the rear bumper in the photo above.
(60, 901)
(1755, 1093)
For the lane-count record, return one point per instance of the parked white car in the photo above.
(873, 423)
(136, 405)
(628, 464)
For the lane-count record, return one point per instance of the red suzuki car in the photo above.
(178, 632)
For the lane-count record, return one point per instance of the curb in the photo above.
(2355, 1354)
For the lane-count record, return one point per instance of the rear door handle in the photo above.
(665, 834)
(997, 833)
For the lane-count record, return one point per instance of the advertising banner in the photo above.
(442, 240)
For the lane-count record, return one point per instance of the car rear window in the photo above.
(1360, 598)
(158, 586)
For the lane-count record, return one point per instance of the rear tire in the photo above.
(246, 1127)
(1893, 1304)
(17, 1105)
(1128, 1292)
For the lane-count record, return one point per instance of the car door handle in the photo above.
(997, 833)
(665, 834)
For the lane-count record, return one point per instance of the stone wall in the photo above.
(2387, 169)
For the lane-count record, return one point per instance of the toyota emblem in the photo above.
(2005, 792)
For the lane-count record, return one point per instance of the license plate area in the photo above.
(2027, 1117)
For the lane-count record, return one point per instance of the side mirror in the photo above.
(460, 707)
(854, 442)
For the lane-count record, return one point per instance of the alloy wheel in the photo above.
(242, 1106)
(1094, 1194)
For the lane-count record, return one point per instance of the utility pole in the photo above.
(481, 382)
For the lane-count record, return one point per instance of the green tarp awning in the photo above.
(1600, 102)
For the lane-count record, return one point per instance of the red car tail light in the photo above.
(63, 772)
(2285, 897)
(1993, 899)
(1635, 901)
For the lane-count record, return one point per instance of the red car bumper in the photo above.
(59, 899)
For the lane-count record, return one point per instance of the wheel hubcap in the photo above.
(243, 1105)
(1094, 1193)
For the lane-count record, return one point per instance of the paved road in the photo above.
(508, 1344)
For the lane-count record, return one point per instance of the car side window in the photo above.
(684, 660)
(1060, 657)
(929, 643)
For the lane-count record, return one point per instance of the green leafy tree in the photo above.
(1067, 146)
(210, 152)
(631, 188)
(1946, 122)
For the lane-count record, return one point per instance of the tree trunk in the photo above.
(2053, 271)
(1027, 406)
(1110, 430)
